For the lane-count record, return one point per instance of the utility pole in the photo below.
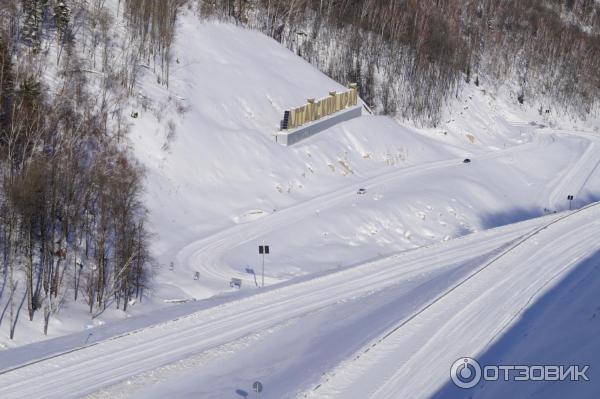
(263, 250)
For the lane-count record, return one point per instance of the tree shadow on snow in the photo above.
(518, 214)
(560, 328)
(514, 215)
(581, 201)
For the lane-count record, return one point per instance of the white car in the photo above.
(361, 191)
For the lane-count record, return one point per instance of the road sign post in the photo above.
(263, 250)
(570, 199)
(258, 388)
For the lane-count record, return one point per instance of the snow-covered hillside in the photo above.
(362, 290)
(217, 184)
(222, 169)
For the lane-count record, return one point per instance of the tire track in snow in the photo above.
(573, 181)
(110, 362)
(405, 322)
(208, 252)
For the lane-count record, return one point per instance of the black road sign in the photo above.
(257, 387)
(263, 249)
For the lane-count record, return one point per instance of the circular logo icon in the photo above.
(465, 372)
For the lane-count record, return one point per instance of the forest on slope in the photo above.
(72, 221)
(410, 57)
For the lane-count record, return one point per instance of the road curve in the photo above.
(90, 369)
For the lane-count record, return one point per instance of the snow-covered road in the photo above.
(206, 255)
(414, 304)
(533, 253)
(358, 302)
(414, 358)
(576, 178)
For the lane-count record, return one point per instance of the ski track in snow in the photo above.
(410, 359)
(576, 178)
(414, 358)
(207, 253)
(151, 339)
(90, 369)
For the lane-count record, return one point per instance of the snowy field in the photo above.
(366, 295)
